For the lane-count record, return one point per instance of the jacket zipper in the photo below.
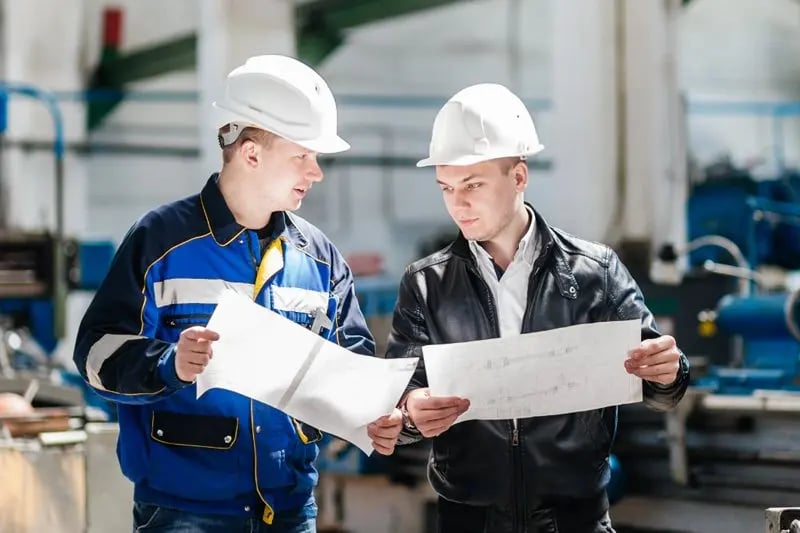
(518, 493)
(185, 320)
(518, 519)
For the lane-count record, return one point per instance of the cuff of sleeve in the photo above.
(682, 376)
(166, 370)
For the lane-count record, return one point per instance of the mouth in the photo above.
(465, 222)
(301, 191)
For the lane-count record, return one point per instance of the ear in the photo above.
(520, 174)
(250, 152)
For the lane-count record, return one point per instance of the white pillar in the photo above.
(33, 57)
(581, 193)
(231, 31)
(212, 45)
(655, 152)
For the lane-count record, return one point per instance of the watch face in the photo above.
(407, 419)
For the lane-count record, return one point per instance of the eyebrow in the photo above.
(462, 180)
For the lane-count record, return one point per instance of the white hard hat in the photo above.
(284, 96)
(482, 122)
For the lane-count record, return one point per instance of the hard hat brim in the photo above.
(325, 145)
(471, 159)
(331, 144)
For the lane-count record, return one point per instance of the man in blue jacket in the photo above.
(224, 462)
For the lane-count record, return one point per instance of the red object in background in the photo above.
(112, 27)
(365, 263)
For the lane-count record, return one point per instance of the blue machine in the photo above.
(762, 218)
(770, 350)
(31, 301)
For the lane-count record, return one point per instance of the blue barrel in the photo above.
(759, 316)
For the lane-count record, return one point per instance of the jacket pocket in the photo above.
(194, 456)
(171, 325)
(202, 431)
(185, 320)
(597, 432)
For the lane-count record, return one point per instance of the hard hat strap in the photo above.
(230, 133)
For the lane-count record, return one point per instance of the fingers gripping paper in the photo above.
(264, 356)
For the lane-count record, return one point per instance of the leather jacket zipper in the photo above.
(517, 489)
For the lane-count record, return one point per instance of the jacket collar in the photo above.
(549, 251)
(223, 225)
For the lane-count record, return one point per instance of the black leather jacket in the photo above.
(444, 299)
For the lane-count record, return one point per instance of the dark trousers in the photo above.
(459, 518)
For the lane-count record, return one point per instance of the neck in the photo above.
(248, 210)
(504, 245)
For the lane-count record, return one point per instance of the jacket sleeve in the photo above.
(409, 333)
(116, 352)
(627, 303)
(350, 328)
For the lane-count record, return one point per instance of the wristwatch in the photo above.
(407, 422)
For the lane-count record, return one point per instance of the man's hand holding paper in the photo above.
(268, 358)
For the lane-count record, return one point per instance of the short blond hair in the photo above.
(262, 137)
(507, 163)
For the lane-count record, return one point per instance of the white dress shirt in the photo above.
(511, 290)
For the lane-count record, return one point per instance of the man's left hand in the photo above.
(656, 360)
(384, 432)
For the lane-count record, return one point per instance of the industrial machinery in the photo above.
(761, 318)
(734, 437)
(37, 271)
(52, 448)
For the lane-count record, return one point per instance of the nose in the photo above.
(314, 171)
(460, 198)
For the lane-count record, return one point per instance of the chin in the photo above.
(471, 234)
(292, 205)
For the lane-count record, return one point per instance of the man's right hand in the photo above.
(433, 415)
(193, 352)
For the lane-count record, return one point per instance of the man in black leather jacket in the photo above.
(509, 272)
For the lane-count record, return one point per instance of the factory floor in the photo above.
(372, 505)
(659, 515)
